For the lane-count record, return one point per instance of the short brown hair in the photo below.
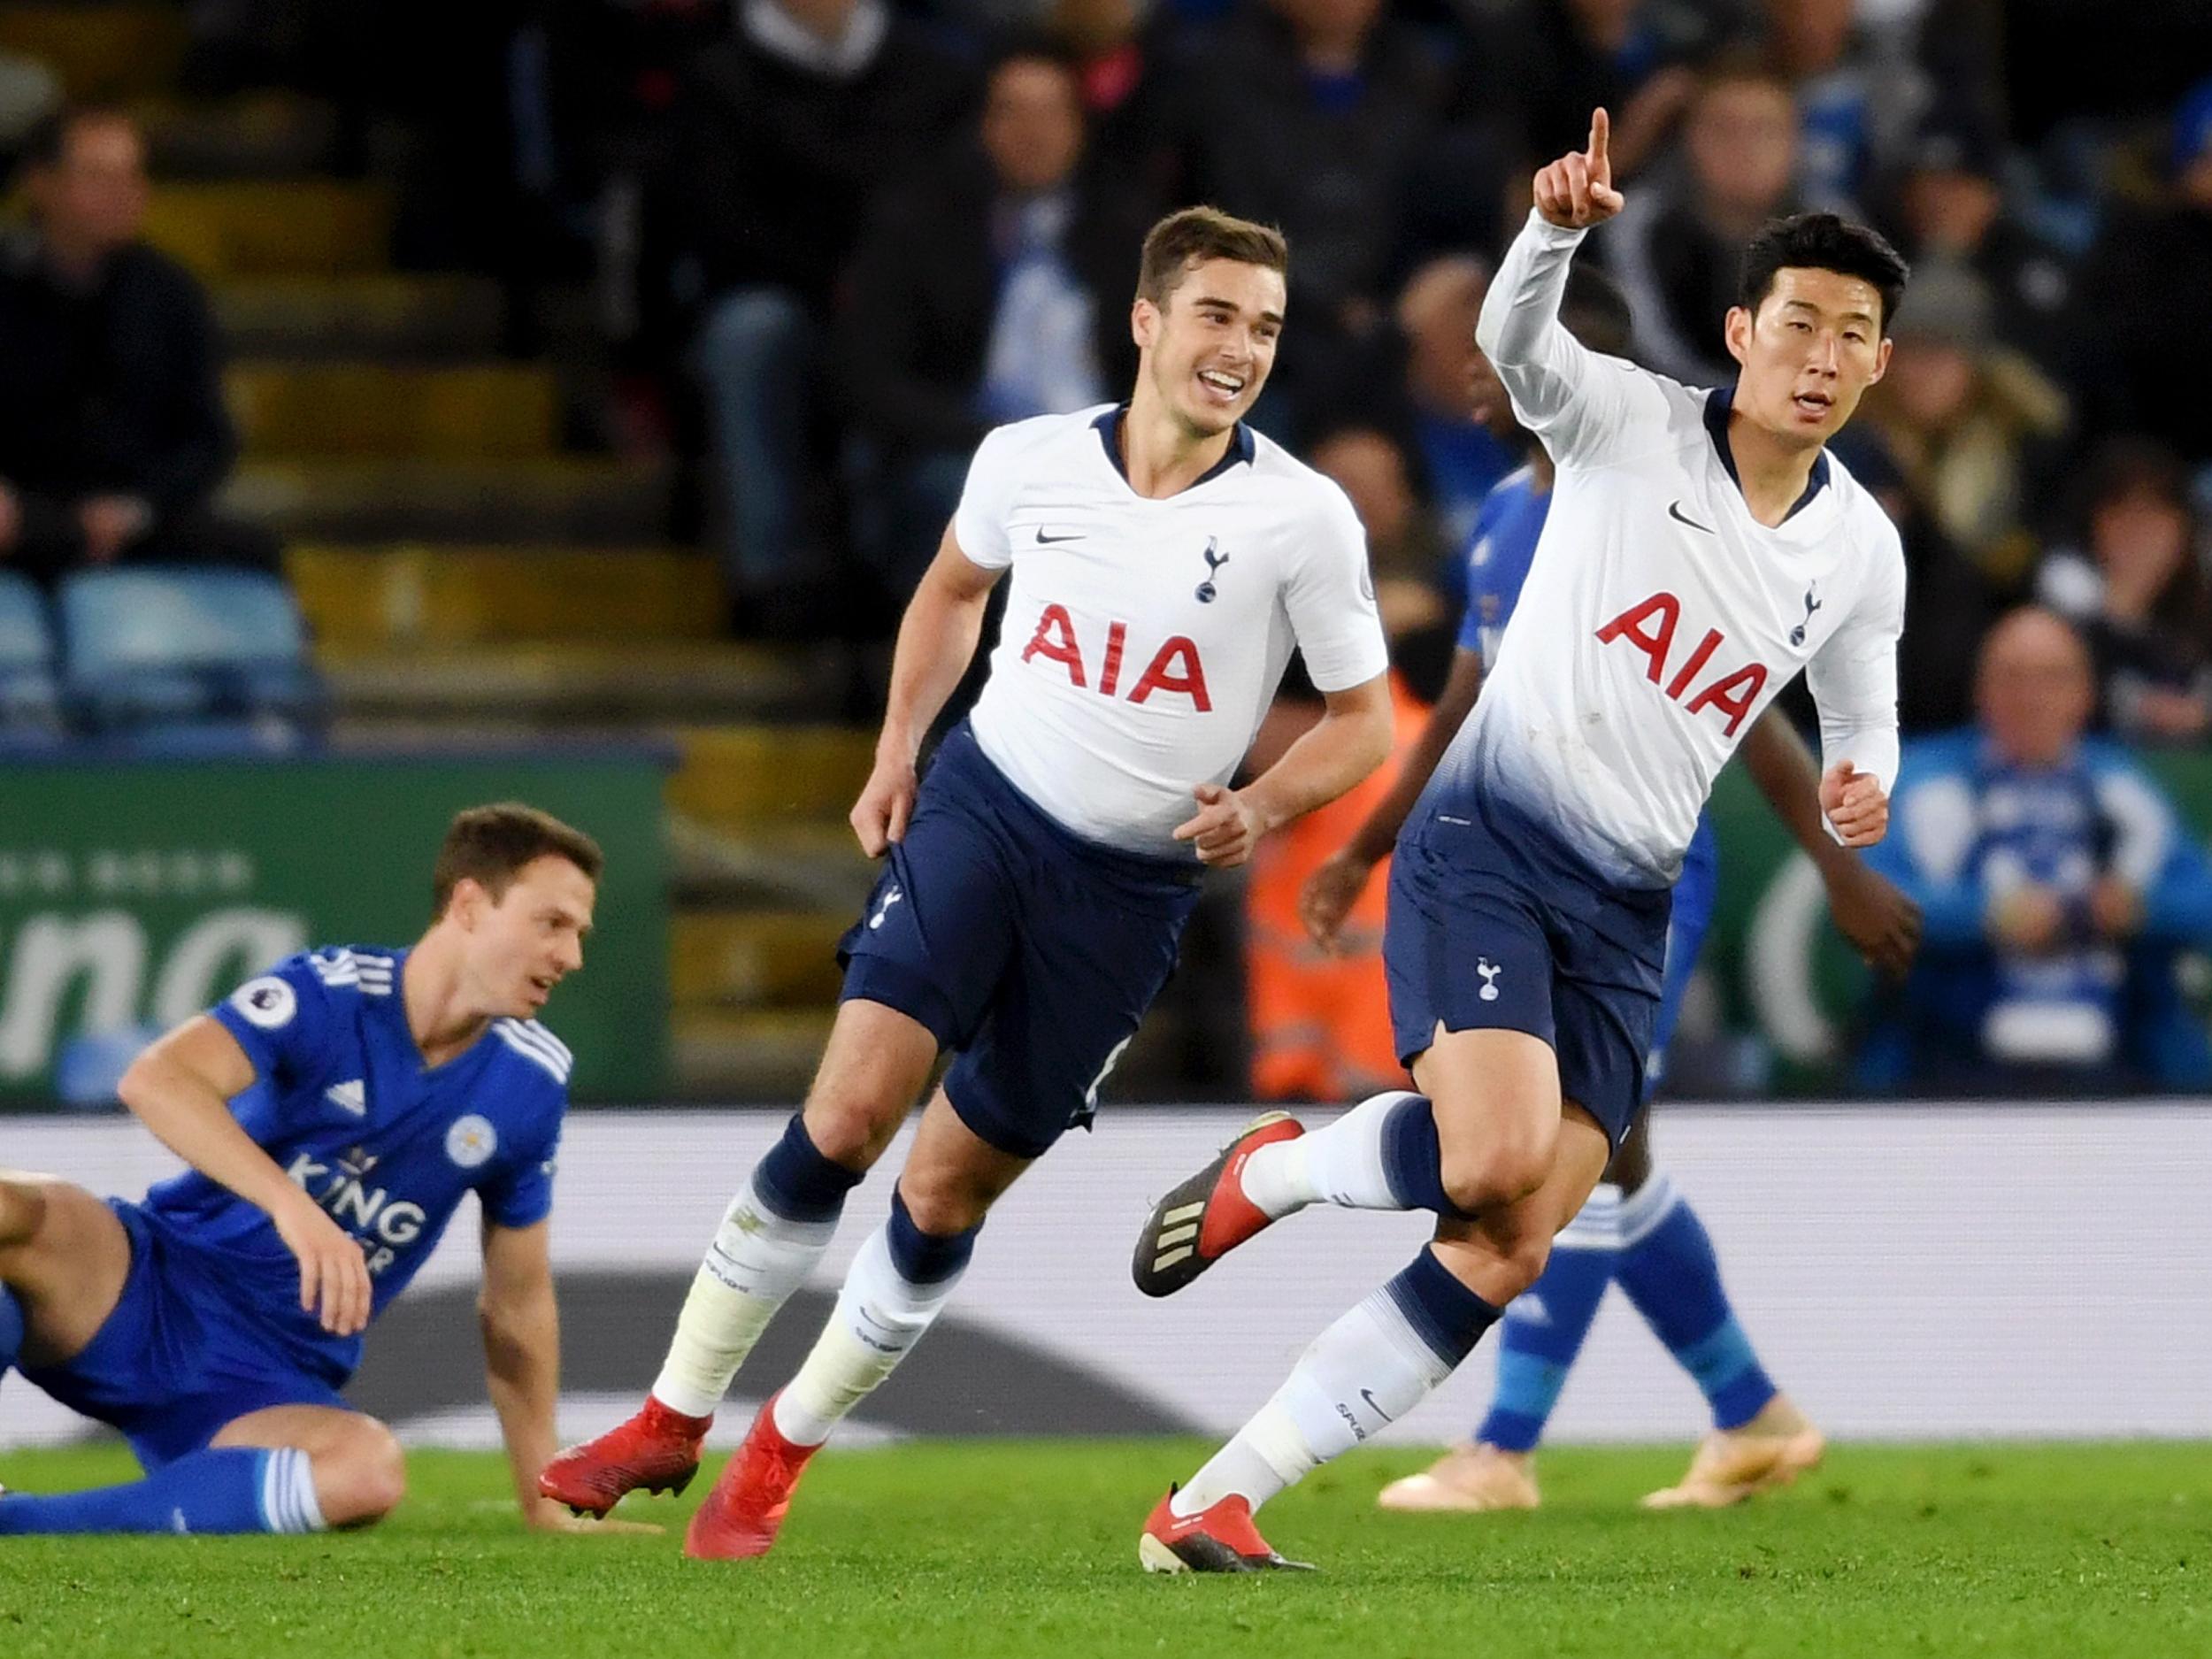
(491, 846)
(1192, 234)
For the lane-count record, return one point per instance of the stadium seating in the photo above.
(189, 659)
(30, 703)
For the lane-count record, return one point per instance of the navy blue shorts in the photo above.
(1496, 926)
(1027, 951)
(180, 1357)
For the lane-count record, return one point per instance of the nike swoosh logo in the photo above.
(1049, 541)
(1674, 511)
(1368, 1395)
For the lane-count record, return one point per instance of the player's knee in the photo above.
(943, 1203)
(363, 1480)
(852, 1127)
(1480, 1180)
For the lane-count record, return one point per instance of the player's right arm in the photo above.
(1332, 891)
(181, 1088)
(1576, 400)
(937, 639)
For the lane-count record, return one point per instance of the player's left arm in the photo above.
(521, 1325)
(1873, 912)
(1854, 683)
(1350, 740)
(1330, 598)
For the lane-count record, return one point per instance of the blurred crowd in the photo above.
(830, 242)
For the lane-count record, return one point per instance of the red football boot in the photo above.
(1208, 1216)
(744, 1512)
(658, 1450)
(1220, 1538)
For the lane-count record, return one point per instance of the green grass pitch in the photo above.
(977, 1550)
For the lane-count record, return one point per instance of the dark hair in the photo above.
(1192, 234)
(491, 846)
(1595, 312)
(47, 139)
(2128, 466)
(1823, 241)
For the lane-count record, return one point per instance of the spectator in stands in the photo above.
(996, 288)
(1325, 117)
(2135, 582)
(2142, 353)
(781, 134)
(1968, 421)
(1677, 248)
(1406, 551)
(113, 434)
(1542, 68)
(1462, 456)
(1949, 205)
(2057, 884)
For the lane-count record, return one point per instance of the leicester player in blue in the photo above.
(1637, 1230)
(335, 1111)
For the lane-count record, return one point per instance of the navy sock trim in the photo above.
(925, 1258)
(797, 1182)
(1443, 1312)
(1413, 1160)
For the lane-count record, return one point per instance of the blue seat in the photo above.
(30, 703)
(181, 648)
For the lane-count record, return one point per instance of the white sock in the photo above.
(1365, 1371)
(756, 1260)
(1340, 1164)
(288, 1493)
(880, 1316)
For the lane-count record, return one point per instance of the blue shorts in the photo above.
(180, 1357)
(1495, 925)
(1029, 952)
(1694, 892)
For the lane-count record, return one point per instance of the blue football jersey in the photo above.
(1499, 553)
(387, 1145)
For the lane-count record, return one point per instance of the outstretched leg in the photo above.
(1506, 1181)
(899, 1283)
(774, 1232)
(283, 1469)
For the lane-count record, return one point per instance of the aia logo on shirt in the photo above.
(1175, 667)
(1650, 628)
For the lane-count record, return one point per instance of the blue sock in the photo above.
(1413, 1162)
(237, 1489)
(11, 1329)
(1545, 1324)
(1668, 1267)
(797, 1182)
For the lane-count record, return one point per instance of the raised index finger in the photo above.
(1601, 135)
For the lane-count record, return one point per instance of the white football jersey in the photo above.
(1143, 640)
(1660, 618)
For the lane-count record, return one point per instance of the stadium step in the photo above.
(761, 1054)
(592, 502)
(735, 778)
(260, 135)
(386, 319)
(755, 959)
(556, 688)
(467, 412)
(418, 595)
(103, 54)
(297, 228)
